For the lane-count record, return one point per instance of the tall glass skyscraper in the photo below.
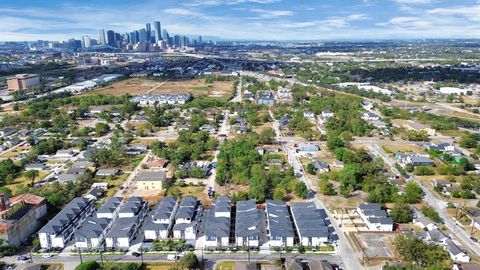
(101, 37)
(111, 38)
(149, 32)
(158, 31)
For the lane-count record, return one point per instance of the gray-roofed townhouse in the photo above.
(310, 224)
(186, 218)
(279, 226)
(130, 217)
(92, 232)
(217, 230)
(247, 232)
(160, 221)
(110, 208)
(59, 230)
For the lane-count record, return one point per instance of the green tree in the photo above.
(301, 190)
(326, 187)
(334, 143)
(101, 128)
(89, 265)
(401, 213)
(31, 174)
(413, 193)
(310, 168)
(267, 136)
(279, 193)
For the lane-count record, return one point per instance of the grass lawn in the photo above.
(453, 133)
(22, 180)
(114, 183)
(158, 266)
(129, 163)
(226, 265)
(402, 148)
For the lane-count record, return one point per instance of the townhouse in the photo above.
(375, 217)
(279, 226)
(91, 234)
(160, 222)
(247, 233)
(310, 224)
(60, 229)
(217, 230)
(130, 218)
(186, 218)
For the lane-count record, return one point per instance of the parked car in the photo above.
(136, 254)
(47, 255)
(22, 258)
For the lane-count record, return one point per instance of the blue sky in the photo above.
(244, 19)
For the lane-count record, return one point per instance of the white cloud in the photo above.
(269, 14)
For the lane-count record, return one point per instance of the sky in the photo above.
(244, 19)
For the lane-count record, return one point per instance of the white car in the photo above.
(172, 257)
(47, 255)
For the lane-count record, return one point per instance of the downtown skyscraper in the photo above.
(158, 31)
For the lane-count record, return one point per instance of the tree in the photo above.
(326, 187)
(301, 190)
(401, 213)
(416, 251)
(423, 170)
(334, 143)
(101, 129)
(267, 136)
(31, 174)
(413, 193)
(431, 213)
(89, 265)
(279, 193)
(468, 141)
(189, 261)
(310, 168)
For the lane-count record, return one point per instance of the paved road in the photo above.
(439, 205)
(344, 250)
(238, 92)
(71, 262)
(128, 183)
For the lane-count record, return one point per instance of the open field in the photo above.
(21, 180)
(137, 86)
(197, 87)
(158, 266)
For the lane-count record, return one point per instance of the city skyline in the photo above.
(245, 19)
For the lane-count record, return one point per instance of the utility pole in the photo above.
(31, 257)
(141, 254)
(101, 255)
(248, 248)
(80, 253)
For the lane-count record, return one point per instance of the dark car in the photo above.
(474, 239)
(136, 254)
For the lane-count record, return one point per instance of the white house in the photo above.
(455, 252)
(186, 218)
(425, 222)
(374, 217)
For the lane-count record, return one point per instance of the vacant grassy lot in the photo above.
(21, 180)
(135, 86)
(138, 86)
(158, 266)
(196, 87)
